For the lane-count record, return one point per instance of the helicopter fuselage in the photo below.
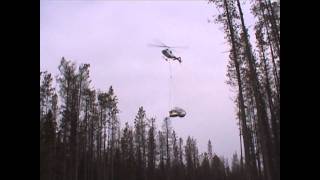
(168, 53)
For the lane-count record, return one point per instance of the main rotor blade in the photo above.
(161, 44)
(180, 47)
(154, 45)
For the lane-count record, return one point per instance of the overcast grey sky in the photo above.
(112, 36)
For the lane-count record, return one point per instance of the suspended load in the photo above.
(177, 112)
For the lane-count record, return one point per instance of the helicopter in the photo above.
(167, 52)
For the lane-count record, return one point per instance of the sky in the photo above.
(113, 37)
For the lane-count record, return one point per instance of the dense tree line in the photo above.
(81, 138)
(255, 73)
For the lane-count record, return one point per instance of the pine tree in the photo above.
(236, 168)
(151, 149)
(205, 167)
(102, 105)
(210, 150)
(114, 125)
(140, 141)
(190, 159)
(229, 19)
(181, 163)
(217, 168)
(127, 153)
(167, 129)
(268, 149)
(175, 161)
(67, 81)
(46, 93)
(162, 151)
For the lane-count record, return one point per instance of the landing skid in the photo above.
(174, 59)
(165, 58)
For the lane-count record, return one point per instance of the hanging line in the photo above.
(170, 85)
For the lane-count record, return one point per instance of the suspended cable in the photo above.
(170, 85)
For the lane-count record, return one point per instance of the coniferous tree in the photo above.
(175, 158)
(113, 126)
(210, 151)
(181, 163)
(67, 81)
(258, 91)
(205, 167)
(190, 158)
(162, 151)
(236, 168)
(151, 150)
(102, 105)
(167, 129)
(268, 147)
(127, 153)
(140, 142)
(229, 18)
(47, 153)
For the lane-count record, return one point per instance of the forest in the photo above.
(81, 137)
